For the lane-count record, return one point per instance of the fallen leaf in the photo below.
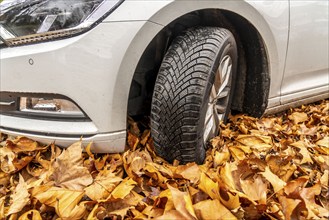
(208, 186)
(183, 203)
(68, 169)
(324, 142)
(255, 189)
(298, 117)
(275, 181)
(20, 197)
(63, 200)
(212, 209)
(32, 214)
(123, 189)
(103, 185)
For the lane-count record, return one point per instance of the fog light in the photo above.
(49, 106)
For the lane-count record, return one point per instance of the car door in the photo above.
(306, 71)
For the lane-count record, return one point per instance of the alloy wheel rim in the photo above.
(218, 99)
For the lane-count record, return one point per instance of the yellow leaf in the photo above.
(303, 151)
(20, 197)
(32, 214)
(221, 157)
(63, 200)
(189, 171)
(226, 176)
(212, 209)
(298, 117)
(182, 202)
(6, 160)
(68, 169)
(2, 207)
(288, 206)
(324, 142)
(103, 185)
(255, 189)
(123, 189)
(137, 164)
(257, 142)
(208, 186)
(275, 181)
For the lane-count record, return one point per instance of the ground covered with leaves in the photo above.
(270, 168)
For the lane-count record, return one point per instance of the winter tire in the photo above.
(192, 93)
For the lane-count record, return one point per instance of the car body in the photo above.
(108, 70)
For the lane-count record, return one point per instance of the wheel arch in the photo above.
(253, 84)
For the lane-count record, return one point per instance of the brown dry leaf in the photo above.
(123, 189)
(20, 197)
(230, 200)
(2, 208)
(64, 201)
(226, 175)
(32, 214)
(208, 186)
(23, 144)
(137, 165)
(257, 142)
(255, 189)
(212, 209)
(182, 202)
(6, 158)
(68, 169)
(308, 196)
(103, 185)
(298, 117)
(189, 171)
(288, 207)
(303, 151)
(172, 215)
(275, 181)
(324, 142)
(221, 157)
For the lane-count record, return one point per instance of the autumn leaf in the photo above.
(20, 197)
(103, 185)
(32, 214)
(183, 203)
(68, 169)
(208, 186)
(212, 209)
(275, 167)
(255, 189)
(275, 181)
(64, 201)
(298, 117)
(123, 189)
(6, 158)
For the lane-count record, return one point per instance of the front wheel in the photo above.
(192, 93)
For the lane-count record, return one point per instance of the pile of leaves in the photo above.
(270, 168)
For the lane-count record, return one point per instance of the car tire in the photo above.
(192, 93)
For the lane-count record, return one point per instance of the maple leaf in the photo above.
(275, 181)
(298, 117)
(20, 197)
(31, 214)
(68, 169)
(103, 185)
(212, 209)
(64, 201)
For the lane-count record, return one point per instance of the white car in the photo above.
(78, 68)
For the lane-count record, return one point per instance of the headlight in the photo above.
(30, 21)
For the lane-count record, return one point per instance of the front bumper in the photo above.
(94, 70)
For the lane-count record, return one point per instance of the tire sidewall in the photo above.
(228, 47)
